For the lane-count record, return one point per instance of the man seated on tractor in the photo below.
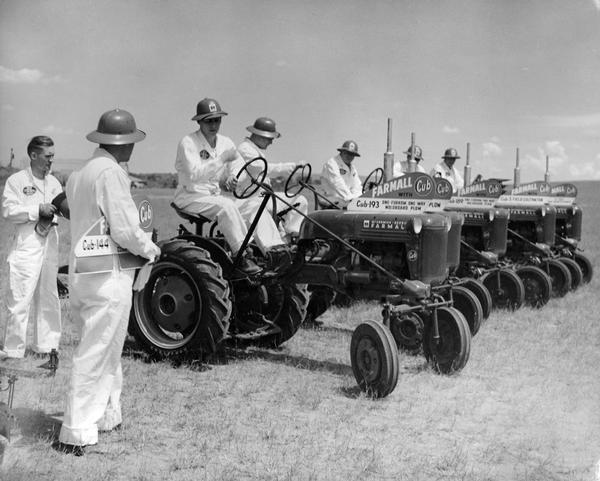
(262, 134)
(446, 170)
(340, 182)
(203, 163)
(401, 167)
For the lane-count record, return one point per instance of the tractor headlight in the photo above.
(448, 222)
(543, 211)
(491, 215)
(417, 224)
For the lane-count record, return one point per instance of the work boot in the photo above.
(249, 267)
(280, 257)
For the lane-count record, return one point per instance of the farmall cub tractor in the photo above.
(568, 227)
(531, 235)
(484, 244)
(196, 298)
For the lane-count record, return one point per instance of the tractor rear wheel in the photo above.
(450, 352)
(374, 359)
(469, 306)
(184, 308)
(574, 270)
(506, 288)
(538, 285)
(561, 277)
(267, 316)
(586, 266)
(483, 295)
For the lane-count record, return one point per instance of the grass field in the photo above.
(526, 406)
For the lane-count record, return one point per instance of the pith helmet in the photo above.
(264, 127)
(451, 153)
(208, 109)
(116, 127)
(418, 155)
(351, 147)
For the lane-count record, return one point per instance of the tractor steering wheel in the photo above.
(306, 171)
(255, 181)
(374, 179)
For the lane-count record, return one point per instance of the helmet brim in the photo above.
(210, 115)
(118, 139)
(263, 133)
(450, 157)
(355, 154)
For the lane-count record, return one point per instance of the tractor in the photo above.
(196, 297)
(396, 247)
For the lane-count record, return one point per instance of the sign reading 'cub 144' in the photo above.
(96, 251)
(413, 192)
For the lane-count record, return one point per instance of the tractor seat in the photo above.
(197, 219)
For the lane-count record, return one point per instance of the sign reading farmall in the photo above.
(477, 195)
(533, 193)
(413, 192)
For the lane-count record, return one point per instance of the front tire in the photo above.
(574, 270)
(374, 359)
(506, 288)
(467, 303)
(450, 353)
(538, 286)
(585, 265)
(184, 309)
(483, 295)
(561, 277)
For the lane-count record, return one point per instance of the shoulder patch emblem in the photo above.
(29, 190)
(204, 154)
(343, 171)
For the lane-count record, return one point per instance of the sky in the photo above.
(499, 75)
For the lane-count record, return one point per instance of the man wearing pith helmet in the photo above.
(262, 134)
(340, 181)
(100, 202)
(205, 162)
(446, 169)
(402, 167)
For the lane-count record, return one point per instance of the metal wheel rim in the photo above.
(156, 304)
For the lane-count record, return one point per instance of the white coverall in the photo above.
(201, 170)
(401, 168)
(32, 265)
(451, 174)
(292, 220)
(100, 302)
(339, 183)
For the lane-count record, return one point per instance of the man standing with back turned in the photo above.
(101, 301)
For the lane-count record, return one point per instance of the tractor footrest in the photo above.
(258, 333)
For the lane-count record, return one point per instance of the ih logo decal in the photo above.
(412, 255)
(212, 107)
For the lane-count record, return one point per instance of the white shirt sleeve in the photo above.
(189, 161)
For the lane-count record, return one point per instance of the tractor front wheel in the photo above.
(538, 286)
(574, 270)
(585, 265)
(450, 352)
(467, 303)
(374, 359)
(506, 288)
(483, 295)
(561, 277)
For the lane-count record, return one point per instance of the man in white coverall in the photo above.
(340, 181)
(401, 168)
(204, 162)
(33, 258)
(99, 194)
(262, 134)
(446, 170)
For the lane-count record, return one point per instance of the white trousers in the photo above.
(266, 234)
(292, 220)
(32, 270)
(100, 305)
(225, 211)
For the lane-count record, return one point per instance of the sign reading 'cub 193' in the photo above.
(413, 192)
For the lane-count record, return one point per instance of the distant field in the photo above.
(526, 407)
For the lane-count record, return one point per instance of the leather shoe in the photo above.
(74, 449)
(249, 267)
